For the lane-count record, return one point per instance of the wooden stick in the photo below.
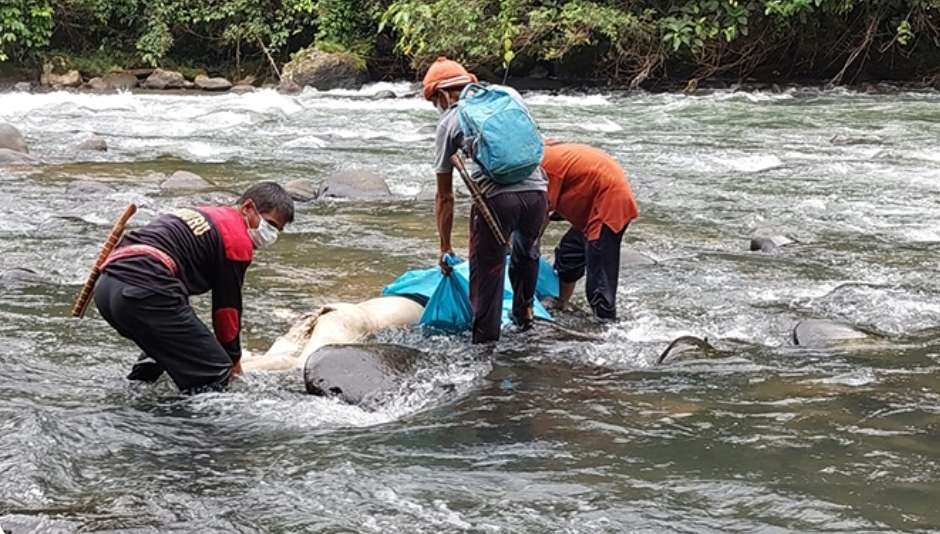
(84, 296)
(479, 200)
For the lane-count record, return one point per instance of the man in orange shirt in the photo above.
(589, 189)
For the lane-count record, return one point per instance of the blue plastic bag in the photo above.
(447, 298)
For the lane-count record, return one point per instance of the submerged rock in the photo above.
(18, 277)
(12, 157)
(324, 70)
(164, 79)
(359, 374)
(633, 258)
(184, 180)
(302, 190)
(86, 188)
(384, 95)
(23, 87)
(822, 332)
(845, 140)
(93, 143)
(685, 348)
(355, 184)
(212, 84)
(12, 139)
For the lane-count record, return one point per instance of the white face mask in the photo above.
(264, 235)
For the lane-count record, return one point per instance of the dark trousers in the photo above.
(520, 216)
(601, 259)
(166, 328)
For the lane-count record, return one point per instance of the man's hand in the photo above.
(237, 369)
(442, 262)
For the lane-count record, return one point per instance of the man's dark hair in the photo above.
(268, 197)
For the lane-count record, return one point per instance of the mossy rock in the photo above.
(325, 70)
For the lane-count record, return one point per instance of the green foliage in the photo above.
(626, 39)
(25, 25)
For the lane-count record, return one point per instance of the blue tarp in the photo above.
(448, 297)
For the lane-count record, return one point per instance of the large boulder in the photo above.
(355, 184)
(12, 139)
(212, 84)
(184, 181)
(164, 79)
(71, 78)
(324, 70)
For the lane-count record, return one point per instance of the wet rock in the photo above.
(242, 89)
(88, 188)
(384, 95)
(685, 348)
(822, 332)
(633, 258)
(23, 87)
(355, 184)
(765, 240)
(12, 139)
(538, 73)
(188, 84)
(71, 78)
(97, 84)
(164, 79)
(12, 157)
(302, 190)
(247, 80)
(360, 374)
(289, 87)
(121, 81)
(324, 70)
(184, 180)
(19, 277)
(93, 142)
(212, 84)
(141, 74)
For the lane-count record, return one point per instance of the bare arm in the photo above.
(444, 209)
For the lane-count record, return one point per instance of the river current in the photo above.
(543, 434)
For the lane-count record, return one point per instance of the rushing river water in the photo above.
(547, 434)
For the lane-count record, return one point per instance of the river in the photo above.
(542, 434)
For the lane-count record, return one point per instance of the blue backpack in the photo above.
(504, 140)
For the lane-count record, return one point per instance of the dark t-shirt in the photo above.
(212, 252)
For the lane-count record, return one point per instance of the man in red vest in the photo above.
(589, 189)
(146, 283)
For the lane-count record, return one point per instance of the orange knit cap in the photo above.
(445, 74)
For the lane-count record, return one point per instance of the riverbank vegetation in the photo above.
(627, 43)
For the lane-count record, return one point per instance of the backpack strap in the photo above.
(472, 88)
